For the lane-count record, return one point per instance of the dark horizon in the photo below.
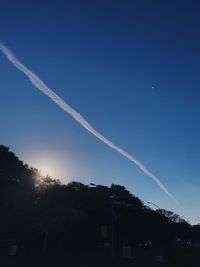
(44, 221)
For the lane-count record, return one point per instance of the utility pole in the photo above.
(113, 202)
(113, 231)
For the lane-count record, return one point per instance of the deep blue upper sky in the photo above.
(131, 68)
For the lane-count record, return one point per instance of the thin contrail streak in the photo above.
(78, 117)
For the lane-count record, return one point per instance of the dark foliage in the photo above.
(43, 214)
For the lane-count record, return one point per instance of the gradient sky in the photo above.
(131, 68)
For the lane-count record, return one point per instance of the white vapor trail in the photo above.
(78, 117)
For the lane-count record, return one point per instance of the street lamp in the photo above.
(113, 202)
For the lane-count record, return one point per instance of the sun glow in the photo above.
(50, 163)
(47, 171)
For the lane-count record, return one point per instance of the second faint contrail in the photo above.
(78, 117)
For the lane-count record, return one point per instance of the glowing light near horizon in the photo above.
(46, 171)
(50, 163)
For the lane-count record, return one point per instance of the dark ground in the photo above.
(182, 258)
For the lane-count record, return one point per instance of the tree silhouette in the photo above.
(44, 214)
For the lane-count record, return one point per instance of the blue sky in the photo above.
(131, 68)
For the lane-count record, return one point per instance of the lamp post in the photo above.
(112, 223)
(112, 229)
(113, 203)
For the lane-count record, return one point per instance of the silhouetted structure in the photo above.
(42, 218)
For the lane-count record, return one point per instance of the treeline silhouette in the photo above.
(43, 216)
